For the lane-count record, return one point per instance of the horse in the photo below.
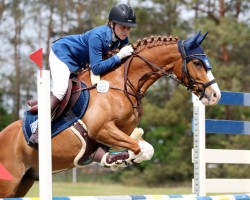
(112, 116)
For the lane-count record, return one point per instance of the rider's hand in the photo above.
(125, 52)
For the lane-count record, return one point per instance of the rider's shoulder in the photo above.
(103, 32)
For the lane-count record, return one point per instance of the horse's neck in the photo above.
(142, 75)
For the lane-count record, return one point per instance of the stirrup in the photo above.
(33, 140)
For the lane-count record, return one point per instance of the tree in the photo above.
(5, 117)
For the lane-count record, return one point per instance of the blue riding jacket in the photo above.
(76, 51)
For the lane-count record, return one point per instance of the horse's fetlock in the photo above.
(137, 150)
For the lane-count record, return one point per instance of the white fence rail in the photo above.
(202, 156)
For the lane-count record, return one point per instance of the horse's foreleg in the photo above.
(112, 136)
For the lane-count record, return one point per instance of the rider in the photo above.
(70, 54)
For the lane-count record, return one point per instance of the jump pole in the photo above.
(44, 127)
(44, 135)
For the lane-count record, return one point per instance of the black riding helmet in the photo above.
(123, 14)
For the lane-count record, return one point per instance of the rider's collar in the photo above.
(114, 38)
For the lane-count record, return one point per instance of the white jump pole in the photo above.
(198, 152)
(44, 135)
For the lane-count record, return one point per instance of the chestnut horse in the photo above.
(112, 116)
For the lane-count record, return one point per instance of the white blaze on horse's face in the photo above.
(211, 96)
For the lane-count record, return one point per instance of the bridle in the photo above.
(185, 73)
(191, 82)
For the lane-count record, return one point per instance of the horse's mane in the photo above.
(153, 41)
(147, 42)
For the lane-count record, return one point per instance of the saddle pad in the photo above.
(30, 121)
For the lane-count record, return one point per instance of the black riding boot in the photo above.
(54, 104)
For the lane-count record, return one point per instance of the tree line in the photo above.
(26, 26)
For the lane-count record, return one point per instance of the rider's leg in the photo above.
(60, 75)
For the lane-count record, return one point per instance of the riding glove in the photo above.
(125, 52)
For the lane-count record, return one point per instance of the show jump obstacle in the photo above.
(201, 156)
(44, 135)
(149, 197)
(44, 124)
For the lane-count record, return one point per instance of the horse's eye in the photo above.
(197, 63)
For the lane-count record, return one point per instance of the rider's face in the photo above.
(122, 31)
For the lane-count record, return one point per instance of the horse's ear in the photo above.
(192, 42)
(201, 38)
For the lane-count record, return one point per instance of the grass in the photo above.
(104, 189)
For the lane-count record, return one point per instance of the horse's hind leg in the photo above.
(24, 187)
(15, 156)
(8, 188)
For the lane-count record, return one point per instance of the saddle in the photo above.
(72, 108)
(69, 99)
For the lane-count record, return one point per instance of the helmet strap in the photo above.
(114, 36)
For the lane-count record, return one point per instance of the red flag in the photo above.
(4, 174)
(37, 57)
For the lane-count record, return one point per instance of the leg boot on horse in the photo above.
(54, 104)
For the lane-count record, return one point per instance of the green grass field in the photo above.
(103, 189)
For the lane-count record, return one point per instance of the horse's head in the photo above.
(182, 60)
(196, 72)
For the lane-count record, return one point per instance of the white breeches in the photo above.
(60, 76)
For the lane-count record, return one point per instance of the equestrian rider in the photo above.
(70, 54)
